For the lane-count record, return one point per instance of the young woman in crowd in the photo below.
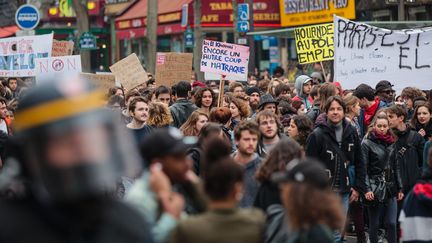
(383, 179)
(194, 123)
(421, 120)
(272, 86)
(222, 116)
(240, 110)
(284, 151)
(205, 99)
(352, 111)
(300, 128)
(224, 221)
(159, 115)
(326, 90)
(408, 95)
(116, 102)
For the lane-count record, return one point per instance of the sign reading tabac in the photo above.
(173, 67)
(314, 43)
(305, 12)
(224, 58)
(129, 71)
(62, 48)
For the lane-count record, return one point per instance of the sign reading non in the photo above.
(368, 54)
(314, 43)
(54, 67)
(129, 71)
(173, 67)
(18, 54)
(87, 41)
(224, 58)
(27, 17)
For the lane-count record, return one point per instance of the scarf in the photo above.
(370, 112)
(386, 139)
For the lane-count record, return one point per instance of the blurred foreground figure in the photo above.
(72, 155)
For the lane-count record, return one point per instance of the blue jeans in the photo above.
(345, 202)
(390, 219)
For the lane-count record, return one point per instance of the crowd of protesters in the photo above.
(278, 161)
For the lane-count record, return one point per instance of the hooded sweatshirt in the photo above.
(306, 99)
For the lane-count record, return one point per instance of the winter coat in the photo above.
(321, 144)
(181, 110)
(380, 161)
(427, 128)
(313, 113)
(251, 185)
(306, 99)
(361, 118)
(268, 194)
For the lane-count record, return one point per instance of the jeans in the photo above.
(390, 219)
(345, 202)
(356, 213)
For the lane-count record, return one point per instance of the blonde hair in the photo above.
(159, 115)
(189, 127)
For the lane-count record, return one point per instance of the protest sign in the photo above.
(18, 54)
(173, 67)
(212, 76)
(368, 54)
(129, 71)
(57, 67)
(225, 58)
(314, 43)
(102, 81)
(62, 48)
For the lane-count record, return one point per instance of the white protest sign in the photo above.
(368, 54)
(224, 59)
(18, 54)
(212, 76)
(57, 67)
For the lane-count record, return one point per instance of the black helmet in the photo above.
(71, 146)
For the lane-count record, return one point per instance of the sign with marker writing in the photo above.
(102, 81)
(368, 54)
(18, 54)
(314, 43)
(57, 67)
(62, 48)
(172, 68)
(225, 58)
(129, 71)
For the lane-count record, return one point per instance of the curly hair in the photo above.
(159, 115)
(242, 106)
(199, 94)
(304, 128)
(411, 93)
(283, 152)
(220, 115)
(189, 127)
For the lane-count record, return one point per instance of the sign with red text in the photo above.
(57, 67)
(224, 59)
(172, 68)
(62, 48)
(18, 54)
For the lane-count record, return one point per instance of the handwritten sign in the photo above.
(212, 76)
(62, 48)
(129, 71)
(18, 54)
(102, 81)
(368, 54)
(314, 43)
(224, 58)
(57, 67)
(173, 67)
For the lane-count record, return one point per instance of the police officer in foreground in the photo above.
(72, 155)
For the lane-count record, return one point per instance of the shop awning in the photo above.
(164, 29)
(8, 31)
(139, 9)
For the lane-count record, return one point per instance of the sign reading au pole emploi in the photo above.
(224, 58)
(314, 43)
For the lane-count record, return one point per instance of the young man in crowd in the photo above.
(163, 94)
(236, 88)
(182, 108)
(269, 126)
(384, 91)
(369, 104)
(164, 152)
(246, 136)
(336, 143)
(409, 94)
(13, 86)
(4, 126)
(267, 102)
(303, 86)
(254, 98)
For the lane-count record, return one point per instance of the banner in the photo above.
(368, 54)
(297, 13)
(18, 54)
(129, 71)
(102, 81)
(314, 43)
(224, 58)
(57, 67)
(62, 48)
(173, 67)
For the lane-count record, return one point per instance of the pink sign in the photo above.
(224, 59)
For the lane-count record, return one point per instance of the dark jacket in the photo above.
(314, 112)
(427, 128)
(380, 161)
(321, 144)
(195, 154)
(181, 110)
(268, 194)
(409, 154)
(361, 120)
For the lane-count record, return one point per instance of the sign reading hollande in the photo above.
(224, 58)
(27, 17)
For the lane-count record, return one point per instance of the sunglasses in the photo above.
(389, 92)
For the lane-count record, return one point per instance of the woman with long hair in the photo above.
(240, 110)
(194, 123)
(300, 128)
(326, 90)
(421, 120)
(384, 185)
(159, 115)
(205, 99)
(352, 111)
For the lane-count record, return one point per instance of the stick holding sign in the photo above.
(221, 92)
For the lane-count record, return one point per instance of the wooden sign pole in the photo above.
(324, 72)
(221, 91)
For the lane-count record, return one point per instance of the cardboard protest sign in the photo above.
(129, 71)
(173, 67)
(62, 48)
(18, 54)
(368, 54)
(57, 67)
(212, 76)
(314, 43)
(225, 58)
(102, 81)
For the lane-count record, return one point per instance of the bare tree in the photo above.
(82, 21)
(152, 14)
(198, 36)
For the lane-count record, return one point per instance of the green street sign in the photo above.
(87, 41)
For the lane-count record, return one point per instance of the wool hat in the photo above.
(267, 99)
(251, 90)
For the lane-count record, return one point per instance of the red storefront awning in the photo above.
(8, 31)
(164, 29)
